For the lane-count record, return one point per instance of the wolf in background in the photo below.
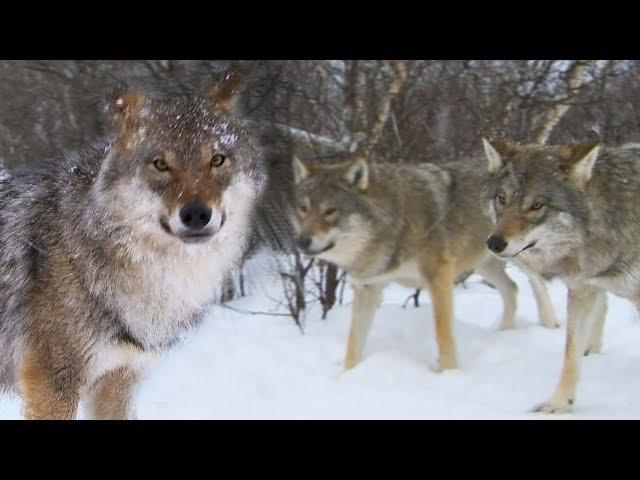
(110, 255)
(571, 212)
(421, 226)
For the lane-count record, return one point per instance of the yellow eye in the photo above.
(502, 199)
(161, 164)
(218, 159)
(303, 209)
(536, 206)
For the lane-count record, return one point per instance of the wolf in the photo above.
(109, 256)
(421, 226)
(571, 212)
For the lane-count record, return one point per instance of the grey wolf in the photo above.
(569, 211)
(421, 226)
(109, 256)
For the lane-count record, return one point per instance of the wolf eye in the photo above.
(218, 159)
(161, 164)
(536, 206)
(502, 199)
(330, 211)
(303, 209)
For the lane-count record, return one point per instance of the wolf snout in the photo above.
(196, 216)
(496, 243)
(303, 242)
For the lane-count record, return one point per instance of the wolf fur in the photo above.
(571, 212)
(99, 275)
(421, 226)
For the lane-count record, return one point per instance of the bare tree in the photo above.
(408, 111)
(577, 76)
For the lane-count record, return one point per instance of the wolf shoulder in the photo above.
(616, 179)
(619, 164)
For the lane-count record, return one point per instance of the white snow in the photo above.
(4, 173)
(240, 366)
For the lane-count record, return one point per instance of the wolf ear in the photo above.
(126, 110)
(225, 92)
(496, 150)
(357, 173)
(125, 106)
(300, 170)
(580, 160)
(493, 156)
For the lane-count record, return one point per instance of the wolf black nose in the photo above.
(303, 242)
(496, 243)
(196, 215)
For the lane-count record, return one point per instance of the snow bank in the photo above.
(241, 366)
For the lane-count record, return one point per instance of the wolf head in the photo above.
(330, 207)
(180, 169)
(536, 195)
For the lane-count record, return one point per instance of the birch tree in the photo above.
(577, 76)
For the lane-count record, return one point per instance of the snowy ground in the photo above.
(240, 366)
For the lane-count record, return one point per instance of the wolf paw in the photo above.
(507, 326)
(592, 350)
(554, 407)
(549, 320)
(435, 367)
(349, 364)
(443, 366)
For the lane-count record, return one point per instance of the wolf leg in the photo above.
(539, 286)
(441, 288)
(47, 393)
(366, 301)
(111, 398)
(545, 307)
(493, 271)
(594, 345)
(581, 303)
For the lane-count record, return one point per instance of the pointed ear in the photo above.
(225, 93)
(126, 110)
(300, 170)
(580, 160)
(357, 173)
(496, 151)
(125, 106)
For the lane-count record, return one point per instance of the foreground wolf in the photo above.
(421, 226)
(572, 212)
(109, 256)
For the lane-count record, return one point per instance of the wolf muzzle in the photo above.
(303, 242)
(195, 216)
(496, 243)
(198, 222)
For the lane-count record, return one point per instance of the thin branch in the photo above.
(251, 312)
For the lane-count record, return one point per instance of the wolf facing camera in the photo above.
(571, 212)
(109, 256)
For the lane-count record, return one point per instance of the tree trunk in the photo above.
(384, 108)
(577, 76)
